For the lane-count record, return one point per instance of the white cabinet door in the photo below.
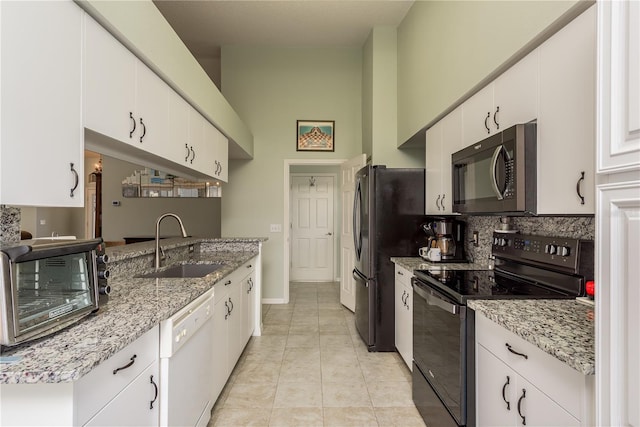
(207, 150)
(41, 128)
(433, 169)
(177, 147)
(220, 358)
(515, 94)
(534, 408)
(152, 106)
(236, 342)
(136, 405)
(451, 142)
(477, 123)
(566, 120)
(617, 368)
(248, 306)
(404, 315)
(109, 85)
(619, 86)
(221, 156)
(496, 383)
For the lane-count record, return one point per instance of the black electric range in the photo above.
(526, 267)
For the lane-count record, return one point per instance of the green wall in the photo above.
(445, 48)
(271, 88)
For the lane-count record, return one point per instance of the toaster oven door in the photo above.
(50, 293)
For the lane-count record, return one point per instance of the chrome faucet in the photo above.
(158, 249)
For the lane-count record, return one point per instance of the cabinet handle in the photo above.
(504, 397)
(524, 421)
(437, 202)
(486, 122)
(251, 283)
(400, 273)
(144, 129)
(128, 365)
(515, 352)
(186, 158)
(76, 178)
(133, 121)
(227, 283)
(226, 304)
(193, 154)
(494, 117)
(406, 303)
(155, 396)
(249, 266)
(578, 187)
(442, 202)
(230, 302)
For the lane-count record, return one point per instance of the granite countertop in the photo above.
(561, 328)
(417, 263)
(135, 306)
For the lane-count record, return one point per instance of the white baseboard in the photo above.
(273, 301)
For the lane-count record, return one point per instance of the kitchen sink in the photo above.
(185, 270)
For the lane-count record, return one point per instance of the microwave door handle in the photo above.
(493, 173)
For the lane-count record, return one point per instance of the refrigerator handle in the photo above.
(357, 201)
(357, 277)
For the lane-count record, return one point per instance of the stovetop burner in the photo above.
(486, 284)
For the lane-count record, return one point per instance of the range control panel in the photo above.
(553, 251)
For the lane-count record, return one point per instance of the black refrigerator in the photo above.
(387, 213)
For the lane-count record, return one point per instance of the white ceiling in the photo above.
(206, 25)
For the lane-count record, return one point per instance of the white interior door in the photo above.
(312, 229)
(347, 253)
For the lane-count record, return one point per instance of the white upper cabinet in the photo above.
(40, 122)
(124, 99)
(443, 139)
(109, 85)
(566, 119)
(152, 108)
(510, 99)
(127, 102)
(619, 87)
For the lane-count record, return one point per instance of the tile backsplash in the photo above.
(9, 224)
(573, 227)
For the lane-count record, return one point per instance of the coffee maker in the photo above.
(447, 234)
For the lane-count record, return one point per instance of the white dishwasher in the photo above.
(186, 364)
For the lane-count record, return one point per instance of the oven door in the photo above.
(440, 347)
(51, 293)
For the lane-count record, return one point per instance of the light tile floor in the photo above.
(310, 368)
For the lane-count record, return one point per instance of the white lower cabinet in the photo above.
(518, 384)
(507, 399)
(230, 329)
(404, 315)
(136, 405)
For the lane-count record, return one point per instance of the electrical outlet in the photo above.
(275, 228)
(476, 239)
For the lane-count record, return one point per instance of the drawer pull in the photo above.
(128, 365)
(504, 397)
(226, 304)
(227, 283)
(515, 352)
(155, 397)
(524, 420)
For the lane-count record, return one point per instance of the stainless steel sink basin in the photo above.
(185, 270)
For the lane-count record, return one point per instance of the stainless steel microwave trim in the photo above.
(512, 179)
(26, 251)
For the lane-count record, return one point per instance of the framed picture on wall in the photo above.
(315, 135)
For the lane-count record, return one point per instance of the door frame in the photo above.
(286, 212)
(334, 213)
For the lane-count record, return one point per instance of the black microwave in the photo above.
(498, 174)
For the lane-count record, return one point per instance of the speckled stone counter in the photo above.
(417, 263)
(135, 306)
(561, 328)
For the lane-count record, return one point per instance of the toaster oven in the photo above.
(47, 285)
